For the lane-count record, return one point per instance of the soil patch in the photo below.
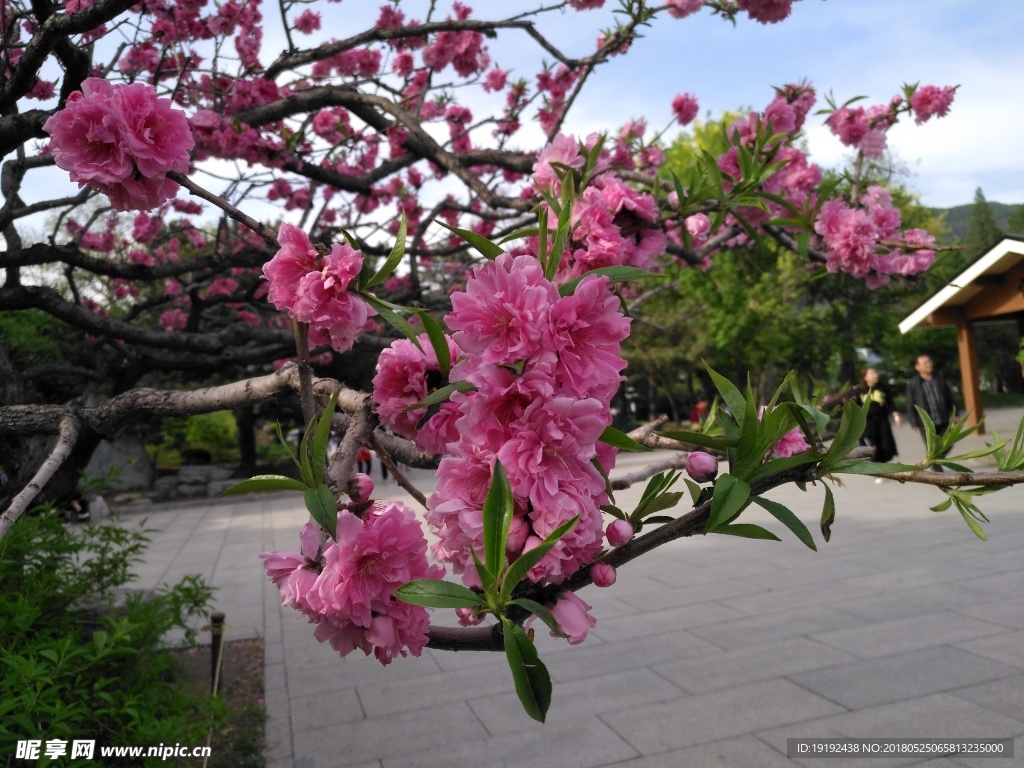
(240, 742)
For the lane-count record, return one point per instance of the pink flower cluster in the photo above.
(852, 237)
(406, 374)
(931, 101)
(121, 140)
(315, 290)
(545, 368)
(347, 587)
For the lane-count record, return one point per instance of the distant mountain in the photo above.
(958, 216)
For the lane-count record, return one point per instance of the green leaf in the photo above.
(264, 483)
(614, 274)
(541, 612)
(729, 499)
(658, 504)
(439, 341)
(828, 514)
(497, 514)
(517, 571)
(732, 396)
(973, 524)
(394, 258)
(488, 581)
(869, 467)
(321, 435)
(747, 531)
(322, 508)
(780, 465)
(613, 437)
(714, 442)
(287, 447)
(785, 516)
(488, 249)
(850, 429)
(533, 683)
(694, 490)
(441, 395)
(387, 313)
(434, 593)
(520, 233)
(99, 639)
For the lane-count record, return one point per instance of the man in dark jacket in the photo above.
(929, 391)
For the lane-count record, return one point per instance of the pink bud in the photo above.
(517, 533)
(701, 466)
(602, 575)
(619, 533)
(360, 487)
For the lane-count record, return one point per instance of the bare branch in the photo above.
(68, 435)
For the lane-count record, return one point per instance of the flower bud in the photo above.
(602, 575)
(619, 532)
(701, 466)
(517, 533)
(360, 487)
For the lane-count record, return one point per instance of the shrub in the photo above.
(82, 658)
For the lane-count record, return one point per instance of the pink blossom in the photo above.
(307, 22)
(792, 443)
(679, 9)
(86, 137)
(766, 11)
(602, 574)
(495, 80)
(174, 320)
(223, 286)
(564, 150)
(586, 5)
(698, 226)
(701, 466)
(155, 135)
(406, 375)
(619, 533)
(502, 314)
(684, 105)
(573, 617)
(931, 101)
(290, 264)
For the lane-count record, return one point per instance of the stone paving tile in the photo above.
(936, 571)
(1004, 696)
(712, 672)
(755, 630)
(1007, 613)
(739, 752)
(883, 605)
(711, 717)
(378, 738)
(795, 597)
(586, 743)
(325, 710)
(871, 682)
(586, 660)
(886, 638)
(577, 699)
(660, 597)
(655, 622)
(387, 696)
(996, 586)
(941, 716)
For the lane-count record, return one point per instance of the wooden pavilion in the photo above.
(989, 290)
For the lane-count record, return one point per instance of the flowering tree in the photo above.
(488, 281)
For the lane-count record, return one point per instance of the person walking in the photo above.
(929, 391)
(877, 430)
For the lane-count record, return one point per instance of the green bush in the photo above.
(81, 658)
(215, 432)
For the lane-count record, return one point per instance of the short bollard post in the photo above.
(216, 648)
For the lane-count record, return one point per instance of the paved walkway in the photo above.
(710, 652)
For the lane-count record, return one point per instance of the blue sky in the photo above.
(851, 47)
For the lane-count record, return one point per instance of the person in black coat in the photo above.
(877, 431)
(929, 391)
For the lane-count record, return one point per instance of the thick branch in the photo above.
(68, 435)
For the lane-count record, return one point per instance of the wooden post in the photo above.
(969, 373)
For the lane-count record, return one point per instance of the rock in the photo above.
(217, 487)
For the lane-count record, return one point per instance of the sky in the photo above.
(851, 48)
